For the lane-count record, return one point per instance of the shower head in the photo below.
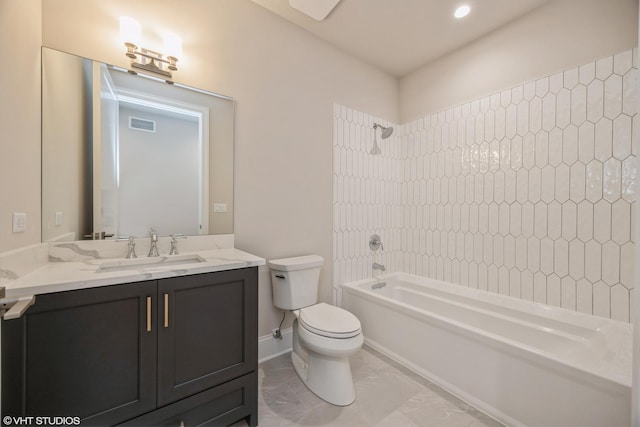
(386, 131)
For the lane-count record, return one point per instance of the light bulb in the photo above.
(462, 11)
(130, 31)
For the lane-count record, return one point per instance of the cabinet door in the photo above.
(207, 331)
(87, 353)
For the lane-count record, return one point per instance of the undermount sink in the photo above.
(151, 262)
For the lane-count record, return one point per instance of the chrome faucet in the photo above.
(377, 266)
(131, 248)
(153, 250)
(174, 243)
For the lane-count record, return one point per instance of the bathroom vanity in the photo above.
(137, 345)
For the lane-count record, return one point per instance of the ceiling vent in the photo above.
(317, 9)
(144, 125)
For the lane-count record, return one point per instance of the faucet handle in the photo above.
(375, 243)
(131, 246)
(176, 236)
(174, 243)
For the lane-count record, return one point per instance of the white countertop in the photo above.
(72, 275)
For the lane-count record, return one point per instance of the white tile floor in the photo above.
(387, 395)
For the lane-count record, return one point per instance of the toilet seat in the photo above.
(329, 321)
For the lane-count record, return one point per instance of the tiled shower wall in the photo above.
(528, 192)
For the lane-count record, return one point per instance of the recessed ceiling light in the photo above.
(462, 11)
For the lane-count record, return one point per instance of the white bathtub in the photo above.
(523, 363)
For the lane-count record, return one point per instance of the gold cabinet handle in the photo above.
(166, 310)
(148, 314)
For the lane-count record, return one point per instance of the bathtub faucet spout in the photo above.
(377, 266)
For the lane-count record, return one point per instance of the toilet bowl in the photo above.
(324, 336)
(321, 356)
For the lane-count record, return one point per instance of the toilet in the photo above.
(324, 336)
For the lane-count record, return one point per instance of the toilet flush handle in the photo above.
(280, 276)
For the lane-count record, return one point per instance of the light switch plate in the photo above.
(59, 218)
(219, 207)
(19, 222)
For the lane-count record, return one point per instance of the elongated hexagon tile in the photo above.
(628, 179)
(613, 96)
(555, 147)
(595, 100)
(556, 82)
(571, 78)
(540, 287)
(523, 118)
(627, 265)
(594, 181)
(570, 144)
(603, 139)
(601, 299)
(622, 136)
(547, 183)
(587, 73)
(602, 221)
(562, 183)
(623, 62)
(569, 220)
(533, 254)
(593, 261)
(578, 184)
(554, 290)
(578, 104)
(604, 67)
(529, 91)
(620, 303)
(563, 108)
(540, 219)
(611, 263)
(546, 255)
(611, 177)
(535, 114)
(569, 293)
(554, 226)
(549, 111)
(561, 257)
(576, 259)
(621, 221)
(584, 298)
(535, 183)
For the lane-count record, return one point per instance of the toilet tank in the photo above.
(294, 281)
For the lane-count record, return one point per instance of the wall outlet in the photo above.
(19, 222)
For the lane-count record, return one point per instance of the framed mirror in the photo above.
(124, 153)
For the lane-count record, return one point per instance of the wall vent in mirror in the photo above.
(137, 123)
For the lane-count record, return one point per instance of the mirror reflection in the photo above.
(123, 153)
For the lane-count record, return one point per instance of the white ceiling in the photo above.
(400, 36)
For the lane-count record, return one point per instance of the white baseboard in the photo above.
(270, 347)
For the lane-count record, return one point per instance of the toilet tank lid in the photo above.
(296, 263)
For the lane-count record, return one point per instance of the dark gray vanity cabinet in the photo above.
(179, 351)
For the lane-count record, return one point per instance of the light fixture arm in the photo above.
(146, 59)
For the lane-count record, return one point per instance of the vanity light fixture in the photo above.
(462, 11)
(146, 59)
